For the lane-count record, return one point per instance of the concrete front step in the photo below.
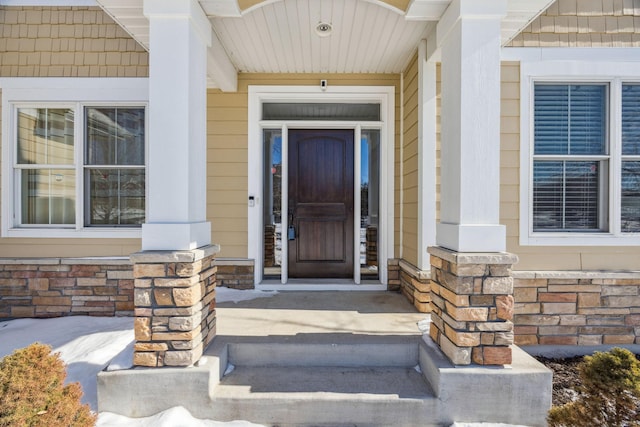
(335, 381)
(331, 350)
(324, 396)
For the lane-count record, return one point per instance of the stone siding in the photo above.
(236, 273)
(175, 316)
(393, 275)
(415, 284)
(472, 301)
(584, 23)
(67, 42)
(577, 308)
(55, 287)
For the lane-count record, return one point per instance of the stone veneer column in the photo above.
(472, 306)
(174, 298)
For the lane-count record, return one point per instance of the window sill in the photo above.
(580, 239)
(85, 233)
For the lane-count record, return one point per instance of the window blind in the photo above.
(631, 119)
(570, 119)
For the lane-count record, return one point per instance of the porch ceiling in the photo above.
(280, 36)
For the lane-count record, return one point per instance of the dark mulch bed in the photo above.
(565, 378)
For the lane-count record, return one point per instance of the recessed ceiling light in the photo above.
(323, 29)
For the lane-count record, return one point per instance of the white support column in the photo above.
(179, 36)
(427, 132)
(469, 38)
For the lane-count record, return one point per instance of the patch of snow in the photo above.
(123, 360)
(174, 417)
(484, 425)
(86, 344)
(229, 369)
(224, 294)
(417, 369)
(424, 324)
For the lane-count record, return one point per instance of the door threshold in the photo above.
(321, 285)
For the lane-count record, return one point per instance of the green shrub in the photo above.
(609, 395)
(32, 391)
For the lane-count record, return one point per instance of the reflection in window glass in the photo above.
(272, 203)
(48, 196)
(116, 196)
(631, 197)
(369, 202)
(45, 148)
(45, 136)
(114, 166)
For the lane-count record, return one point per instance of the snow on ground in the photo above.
(174, 417)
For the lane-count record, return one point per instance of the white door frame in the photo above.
(383, 95)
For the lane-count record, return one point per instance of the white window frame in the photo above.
(612, 66)
(385, 96)
(76, 93)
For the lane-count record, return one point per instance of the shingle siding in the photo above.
(584, 23)
(67, 42)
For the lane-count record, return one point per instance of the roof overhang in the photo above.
(279, 36)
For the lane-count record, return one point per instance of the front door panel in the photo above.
(321, 203)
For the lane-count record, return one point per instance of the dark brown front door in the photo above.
(320, 203)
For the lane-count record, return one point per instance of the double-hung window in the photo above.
(74, 167)
(570, 157)
(580, 154)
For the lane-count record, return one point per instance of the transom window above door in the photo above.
(321, 111)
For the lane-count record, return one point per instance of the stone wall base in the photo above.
(236, 273)
(393, 275)
(577, 308)
(415, 284)
(56, 287)
(175, 306)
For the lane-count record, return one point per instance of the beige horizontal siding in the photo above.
(227, 170)
(584, 23)
(410, 163)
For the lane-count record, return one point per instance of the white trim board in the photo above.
(385, 95)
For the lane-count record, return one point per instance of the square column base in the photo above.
(472, 237)
(472, 306)
(174, 296)
(175, 236)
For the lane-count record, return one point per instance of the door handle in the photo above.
(291, 231)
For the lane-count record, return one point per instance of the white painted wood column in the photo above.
(469, 40)
(427, 152)
(179, 36)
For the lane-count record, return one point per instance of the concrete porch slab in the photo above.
(297, 312)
